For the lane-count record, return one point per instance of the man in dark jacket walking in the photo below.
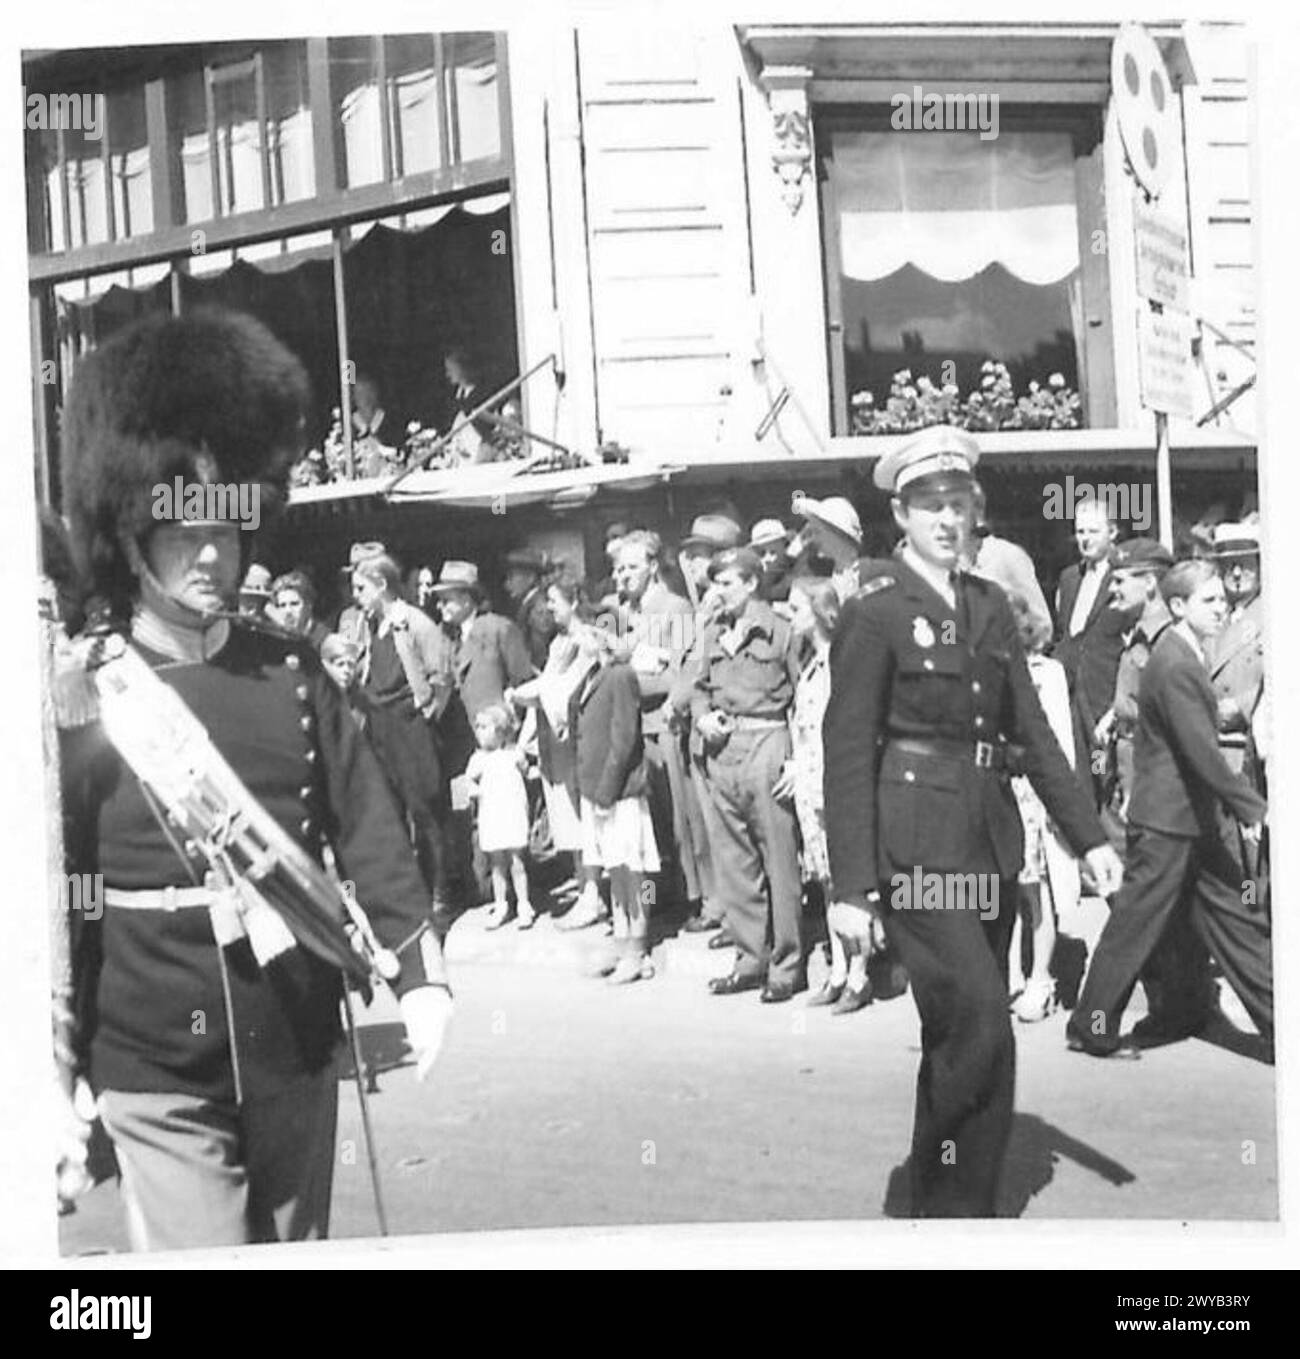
(1183, 854)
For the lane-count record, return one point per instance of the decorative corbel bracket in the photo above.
(787, 97)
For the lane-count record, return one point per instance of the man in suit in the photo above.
(485, 654)
(1236, 655)
(1089, 631)
(929, 690)
(1183, 856)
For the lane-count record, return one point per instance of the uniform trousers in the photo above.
(1168, 877)
(755, 852)
(198, 1172)
(965, 1088)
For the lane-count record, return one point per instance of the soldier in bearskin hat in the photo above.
(210, 1052)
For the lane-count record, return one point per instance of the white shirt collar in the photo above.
(938, 577)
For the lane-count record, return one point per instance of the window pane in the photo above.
(288, 115)
(192, 163)
(84, 181)
(473, 58)
(239, 146)
(413, 96)
(354, 79)
(953, 251)
(43, 165)
(129, 156)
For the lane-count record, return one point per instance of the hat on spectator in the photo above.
(714, 531)
(457, 576)
(833, 513)
(1142, 554)
(1236, 540)
(528, 559)
(359, 552)
(767, 533)
(942, 455)
(257, 582)
(743, 559)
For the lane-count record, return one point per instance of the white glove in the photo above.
(72, 1146)
(425, 1011)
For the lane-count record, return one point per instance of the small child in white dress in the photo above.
(495, 781)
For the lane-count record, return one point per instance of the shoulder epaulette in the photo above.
(873, 586)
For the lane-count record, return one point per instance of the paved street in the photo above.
(560, 1101)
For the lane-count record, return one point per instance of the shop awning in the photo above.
(497, 486)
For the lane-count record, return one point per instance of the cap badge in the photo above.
(947, 461)
(922, 632)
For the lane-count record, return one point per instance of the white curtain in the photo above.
(293, 154)
(363, 148)
(417, 116)
(951, 205)
(132, 191)
(196, 173)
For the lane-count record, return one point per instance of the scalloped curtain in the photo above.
(950, 204)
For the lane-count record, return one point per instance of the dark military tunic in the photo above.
(285, 730)
(925, 701)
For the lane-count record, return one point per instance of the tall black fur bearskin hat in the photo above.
(208, 397)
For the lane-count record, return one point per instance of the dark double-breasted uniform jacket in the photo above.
(152, 1010)
(905, 665)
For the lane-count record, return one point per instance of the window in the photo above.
(945, 251)
(241, 134)
(475, 108)
(409, 104)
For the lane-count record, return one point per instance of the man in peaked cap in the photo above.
(929, 687)
(224, 1129)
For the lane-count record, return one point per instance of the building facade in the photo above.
(732, 252)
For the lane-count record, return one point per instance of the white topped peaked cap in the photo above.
(938, 450)
(1236, 540)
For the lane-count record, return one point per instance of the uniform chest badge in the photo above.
(922, 632)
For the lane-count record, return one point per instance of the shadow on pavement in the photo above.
(1032, 1156)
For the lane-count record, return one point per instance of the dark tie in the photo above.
(962, 604)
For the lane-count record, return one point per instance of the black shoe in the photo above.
(1126, 1051)
(699, 924)
(1157, 1033)
(722, 939)
(777, 993)
(735, 982)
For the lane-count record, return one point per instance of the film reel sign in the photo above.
(1145, 104)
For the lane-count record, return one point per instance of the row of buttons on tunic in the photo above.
(307, 722)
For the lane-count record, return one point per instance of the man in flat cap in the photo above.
(1137, 568)
(212, 1054)
(929, 689)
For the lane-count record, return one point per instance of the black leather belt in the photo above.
(982, 754)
